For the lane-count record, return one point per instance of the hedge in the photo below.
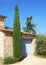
(41, 44)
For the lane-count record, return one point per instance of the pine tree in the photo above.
(17, 39)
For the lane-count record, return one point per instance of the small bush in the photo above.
(41, 45)
(9, 60)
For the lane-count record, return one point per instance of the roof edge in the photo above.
(9, 30)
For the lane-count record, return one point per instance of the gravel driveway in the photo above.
(32, 60)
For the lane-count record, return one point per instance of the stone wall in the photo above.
(1, 23)
(33, 45)
(8, 46)
(2, 37)
(6, 43)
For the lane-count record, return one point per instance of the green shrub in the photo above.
(40, 56)
(41, 44)
(9, 60)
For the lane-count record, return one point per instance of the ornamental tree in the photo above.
(29, 26)
(17, 39)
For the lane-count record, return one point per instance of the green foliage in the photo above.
(8, 60)
(26, 29)
(40, 56)
(41, 45)
(7, 27)
(29, 26)
(17, 38)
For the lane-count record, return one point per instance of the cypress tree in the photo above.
(17, 39)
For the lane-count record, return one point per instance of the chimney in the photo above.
(2, 21)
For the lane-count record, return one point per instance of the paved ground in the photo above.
(32, 60)
(1, 62)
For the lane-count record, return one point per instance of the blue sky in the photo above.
(35, 8)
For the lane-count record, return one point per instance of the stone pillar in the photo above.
(33, 46)
(2, 45)
(2, 21)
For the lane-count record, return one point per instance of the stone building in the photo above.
(6, 41)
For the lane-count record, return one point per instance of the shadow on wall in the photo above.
(24, 53)
(26, 47)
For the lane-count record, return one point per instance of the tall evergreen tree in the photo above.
(17, 40)
(29, 26)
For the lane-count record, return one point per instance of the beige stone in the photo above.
(2, 37)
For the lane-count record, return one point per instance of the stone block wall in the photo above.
(2, 36)
(6, 43)
(8, 46)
